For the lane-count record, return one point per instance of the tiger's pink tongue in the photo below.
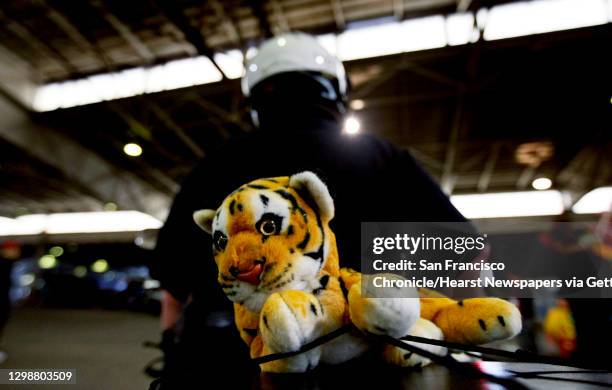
(252, 275)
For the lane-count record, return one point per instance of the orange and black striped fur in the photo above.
(278, 263)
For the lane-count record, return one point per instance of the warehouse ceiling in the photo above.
(483, 117)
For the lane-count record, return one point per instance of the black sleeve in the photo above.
(183, 255)
(426, 202)
(419, 197)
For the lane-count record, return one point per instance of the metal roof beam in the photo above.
(170, 124)
(141, 49)
(105, 181)
(191, 33)
(262, 17)
(283, 24)
(338, 15)
(30, 39)
(489, 168)
(75, 34)
(228, 23)
(448, 176)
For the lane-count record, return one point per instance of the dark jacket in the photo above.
(369, 179)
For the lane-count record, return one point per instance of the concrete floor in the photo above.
(104, 346)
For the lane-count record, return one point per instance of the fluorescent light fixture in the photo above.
(374, 41)
(366, 39)
(231, 63)
(509, 204)
(423, 33)
(535, 17)
(17, 227)
(137, 81)
(391, 38)
(481, 18)
(460, 29)
(596, 201)
(85, 222)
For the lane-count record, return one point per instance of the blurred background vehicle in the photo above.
(107, 105)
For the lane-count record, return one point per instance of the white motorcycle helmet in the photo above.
(301, 53)
(292, 52)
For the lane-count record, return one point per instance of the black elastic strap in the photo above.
(542, 375)
(519, 354)
(306, 347)
(446, 360)
(449, 362)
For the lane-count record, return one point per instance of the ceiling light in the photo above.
(231, 63)
(56, 251)
(47, 262)
(27, 279)
(596, 201)
(357, 104)
(541, 183)
(319, 60)
(351, 125)
(74, 223)
(515, 204)
(79, 271)
(534, 154)
(460, 28)
(99, 266)
(132, 149)
(370, 39)
(541, 16)
(110, 206)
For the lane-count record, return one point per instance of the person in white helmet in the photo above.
(297, 92)
(294, 75)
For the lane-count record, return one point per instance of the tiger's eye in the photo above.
(220, 240)
(267, 228)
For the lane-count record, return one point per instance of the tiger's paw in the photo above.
(383, 311)
(405, 358)
(289, 319)
(479, 320)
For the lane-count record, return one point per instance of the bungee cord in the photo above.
(467, 369)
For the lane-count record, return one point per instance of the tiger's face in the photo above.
(270, 235)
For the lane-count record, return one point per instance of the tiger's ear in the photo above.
(204, 219)
(315, 193)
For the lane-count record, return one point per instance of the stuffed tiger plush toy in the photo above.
(278, 263)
